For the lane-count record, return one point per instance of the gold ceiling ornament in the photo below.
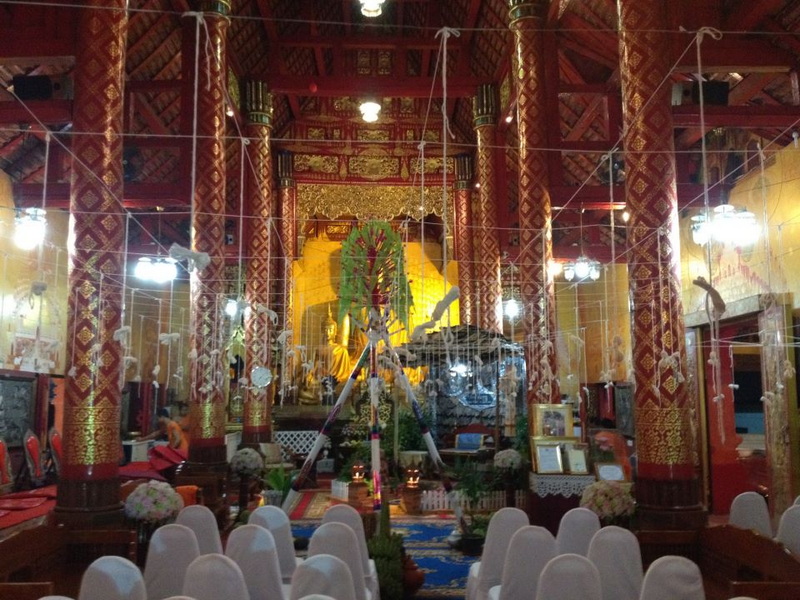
(367, 202)
(316, 163)
(374, 167)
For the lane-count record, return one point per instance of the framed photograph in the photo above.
(552, 420)
(548, 458)
(609, 472)
(576, 461)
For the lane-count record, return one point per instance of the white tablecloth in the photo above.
(559, 485)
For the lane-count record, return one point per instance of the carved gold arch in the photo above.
(366, 202)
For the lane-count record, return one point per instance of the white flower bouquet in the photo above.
(610, 500)
(153, 502)
(508, 460)
(246, 462)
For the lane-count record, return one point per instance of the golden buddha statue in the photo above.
(331, 366)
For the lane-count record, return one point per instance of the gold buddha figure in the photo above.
(333, 361)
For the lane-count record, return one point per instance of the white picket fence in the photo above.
(436, 500)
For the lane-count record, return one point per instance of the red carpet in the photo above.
(299, 510)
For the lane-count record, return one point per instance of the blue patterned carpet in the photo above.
(425, 541)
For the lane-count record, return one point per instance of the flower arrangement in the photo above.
(153, 502)
(610, 500)
(246, 462)
(508, 460)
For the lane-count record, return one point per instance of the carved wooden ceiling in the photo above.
(320, 58)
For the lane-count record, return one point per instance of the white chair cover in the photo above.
(789, 529)
(325, 575)
(253, 548)
(672, 578)
(749, 511)
(179, 598)
(277, 522)
(488, 571)
(337, 539)
(569, 577)
(172, 549)
(531, 548)
(344, 513)
(112, 578)
(201, 520)
(213, 577)
(575, 531)
(317, 597)
(55, 598)
(797, 500)
(616, 554)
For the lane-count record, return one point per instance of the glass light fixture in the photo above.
(369, 111)
(511, 308)
(157, 270)
(371, 8)
(569, 271)
(29, 228)
(726, 225)
(582, 267)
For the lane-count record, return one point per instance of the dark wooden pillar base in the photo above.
(89, 504)
(669, 504)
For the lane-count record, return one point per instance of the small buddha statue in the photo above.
(336, 356)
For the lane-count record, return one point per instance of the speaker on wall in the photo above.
(33, 87)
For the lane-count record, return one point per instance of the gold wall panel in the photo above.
(315, 163)
(374, 167)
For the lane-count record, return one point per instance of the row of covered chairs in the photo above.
(749, 510)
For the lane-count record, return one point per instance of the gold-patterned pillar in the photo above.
(207, 465)
(287, 193)
(487, 244)
(667, 486)
(88, 489)
(536, 287)
(257, 426)
(464, 247)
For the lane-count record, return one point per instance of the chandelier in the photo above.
(157, 270)
(370, 110)
(29, 228)
(371, 8)
(582, 268)
(727, 225)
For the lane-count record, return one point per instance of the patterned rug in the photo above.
(425, 541)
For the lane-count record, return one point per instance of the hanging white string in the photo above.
(47, 138)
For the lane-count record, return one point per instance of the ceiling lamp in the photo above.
(157, 270)
(370, 111)
(371, 8)
(727, 225)
(583, 268)
(29, 228)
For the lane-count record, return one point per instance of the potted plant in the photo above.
(246, 464)
(149, 506)
(277, 483)
(472, 485)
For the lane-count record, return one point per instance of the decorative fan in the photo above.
(373, 272)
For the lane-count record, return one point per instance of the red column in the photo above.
(487, 269)
(88, 489)
(464, 247)
(537, 291)
(287, 198)
(667, 487)
(258, 230)
(207, 464)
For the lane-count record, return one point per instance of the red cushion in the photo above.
(5, 467)
(34, 452)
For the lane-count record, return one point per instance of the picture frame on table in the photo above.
(552, 421)
(548, 457)
(577, 463)
(609, 471)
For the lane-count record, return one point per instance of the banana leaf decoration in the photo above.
(373, 272)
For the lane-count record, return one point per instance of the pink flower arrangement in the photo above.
(609, 500)
(154, 502)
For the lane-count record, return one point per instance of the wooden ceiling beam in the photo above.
(736, 54)
(745, 117)
(586, 119)
(387, 87)
(368, 42)
(48, 112)
(742, 92)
